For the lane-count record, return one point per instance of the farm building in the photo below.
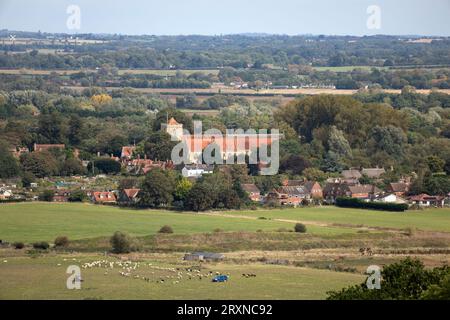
(203, 256)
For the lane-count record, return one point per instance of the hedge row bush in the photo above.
(360, 204)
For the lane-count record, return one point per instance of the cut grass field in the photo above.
(45, 277)
(348, 68)
(30, 222)
(428, 220)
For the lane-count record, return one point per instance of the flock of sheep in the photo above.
(128, 269)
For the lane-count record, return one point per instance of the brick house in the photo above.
(253, 192)
(288, 196)
(332, 191)
(101, 197)
(400, 189)
(425, 200)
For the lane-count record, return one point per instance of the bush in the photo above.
(300, 228)
(357, 203)
(121, 242)
(47, 196)
(41, 245)
(19, 245)
(218, 230)
(61, 242)
(166, 229)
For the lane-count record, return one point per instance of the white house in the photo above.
(5, 194)
(391, 198)
(196, 170)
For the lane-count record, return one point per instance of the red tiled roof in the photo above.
(104, 196)
(131, 193)
(127, 151)
(426, 197)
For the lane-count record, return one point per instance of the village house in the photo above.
(102, 197)
(128, 196)
(144, 166)
(127, 152)
(400, 189)
(196, 170)
(5, 194)
(391, 198)
(253, 192)
(332, 191)
(61, 196)
(353, 175)
(373, 173)
(312, 187)
(425, 200)
(293, 196)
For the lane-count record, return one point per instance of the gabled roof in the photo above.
(426, 197)
(173, 122)
(399, 187)
(351, 174)
(104, 196)
(250, 188)
(127, 151)
(373, 172)
(309, 185)
(367, 188)
(297, 191)
(131, 193)
(293, 183)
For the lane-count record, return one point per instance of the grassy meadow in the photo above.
(287, 265)
(45, 278)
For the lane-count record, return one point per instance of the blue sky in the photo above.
(337, 17)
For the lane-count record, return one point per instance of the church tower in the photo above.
(174, 129)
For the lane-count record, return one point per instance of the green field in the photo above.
(30, 222)
(163, 73)
(347, 68)
(43, 278)
(287, 265)
(429, 220)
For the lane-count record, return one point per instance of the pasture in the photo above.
(286, 265)
(427, 220)
(45, 277)
(30, 222)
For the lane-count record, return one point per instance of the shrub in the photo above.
(41, 245)
(300, 228)
(47, 195)
(62, 241)
(166, 229)
(357, 203)
(121, 242)
(218, 230)
(19, 245)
